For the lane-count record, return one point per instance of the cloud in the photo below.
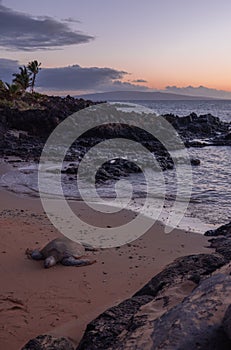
(20, 31)
(73, 78)
(71, 20)
(199, 91)
(139, 81)
(125, 86)
(77, 78)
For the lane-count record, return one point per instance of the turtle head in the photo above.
(49, 262)
(36, 255)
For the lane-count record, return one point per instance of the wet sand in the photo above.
(62, 300)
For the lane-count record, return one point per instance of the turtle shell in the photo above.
(63, 247)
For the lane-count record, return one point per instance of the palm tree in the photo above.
(33, 68)
(2, 86)
(13, 90)
(23, 78)
(3, 90)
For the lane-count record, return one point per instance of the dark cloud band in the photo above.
(139, 81)
(23, 32)
(73, 78)
(76, 77)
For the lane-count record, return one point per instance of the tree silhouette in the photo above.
(23, 78)
(33, 68)
(13, 89)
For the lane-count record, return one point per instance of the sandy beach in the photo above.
(62, 300)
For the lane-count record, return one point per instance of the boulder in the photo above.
(193, 323)
(106, 330)
(48, 342)
(222, 242)
(195, 161)
(222, 246)
(196, 323)
(191, 267)
(224, 230)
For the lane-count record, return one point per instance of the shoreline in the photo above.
(61, 301)
(188, 223)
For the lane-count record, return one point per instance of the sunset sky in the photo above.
(120, 45)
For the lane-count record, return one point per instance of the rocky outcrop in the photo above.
(48, 342)
(224, 230)
(193, 323)
(132, 317)
(196, 323)
(44, 113)
(110, 171)
(24, 131)
(221, 244)
(227, 322)
(183, 307)
(223, 140)
(204, 127)
(41, 119)
(191, 267)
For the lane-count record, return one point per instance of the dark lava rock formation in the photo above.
(47, 342)
(227, 322)
(209, 129)
(183, 307)
(224, 230)
(196, 323)
(23, 132)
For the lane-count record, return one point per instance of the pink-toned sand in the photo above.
(62, 300)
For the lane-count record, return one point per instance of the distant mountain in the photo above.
(139, 96)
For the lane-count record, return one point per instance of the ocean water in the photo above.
(210, 200)
(218, 108)
(211, 195)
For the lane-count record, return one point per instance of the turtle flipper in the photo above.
(89, 247)
(71, 261)
(36, 255)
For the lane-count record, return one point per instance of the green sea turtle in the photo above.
(62, 250)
